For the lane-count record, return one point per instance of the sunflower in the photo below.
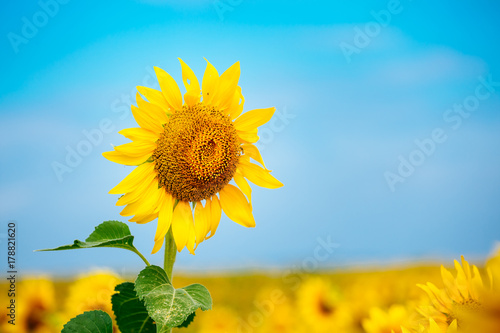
(461, 298)
(488, 320)
(188, 153)
(91, 292)
(35, 308)
(322, 307)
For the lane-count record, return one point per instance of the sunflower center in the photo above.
(34, 319)
(197, 153)
(462, 311)
(325, 308)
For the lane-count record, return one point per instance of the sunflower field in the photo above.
(460, 298)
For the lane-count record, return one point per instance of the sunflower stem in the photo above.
(170, 254)
(142, 257)
(169, 260)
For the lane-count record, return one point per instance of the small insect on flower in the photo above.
(188, 153)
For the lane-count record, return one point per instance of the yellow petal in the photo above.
(201, 221)
(169, 88)
(192, 95)
(141, 219)
(137, 148)
(453, 327)
(228, 82)
(165, 217)
(215, 214)
(164, 222)
(155, 97)
(258, 175)
(147, 204)
(182, 219)
(137, 193)
(449, 283)
(157, 113)
(139, 134)
(210, 83)
(461, 281)
(248, 136)
(251, 151)
(133, 179)
(251, 120)
(476, 283)
(489, 273)
(243, 185)
(433, 327)
(158, 245)
(237, 103)
(145, 121)
(236, 206)
(124, 159)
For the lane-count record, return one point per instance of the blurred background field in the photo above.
(373, 300)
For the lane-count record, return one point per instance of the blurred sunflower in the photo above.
(91, 292)
(460, 299)
(35, 308)
(321, 306)
(188, 153)
(488, 319)
(381, 321)
(365, 292)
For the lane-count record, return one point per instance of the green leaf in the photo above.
(188, 321)
(107, 234)
(169, 307)
(96, 321)
(130, 312)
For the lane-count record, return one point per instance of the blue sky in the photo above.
(386, 135)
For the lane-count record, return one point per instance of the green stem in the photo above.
(169, 260)
(170, 254)
(142, 257)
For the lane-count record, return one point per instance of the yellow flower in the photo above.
(381, 321)
(460, 299)
(91, 292)
(487, 320)
(35, 308)
(188, 153)
(322, 307)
